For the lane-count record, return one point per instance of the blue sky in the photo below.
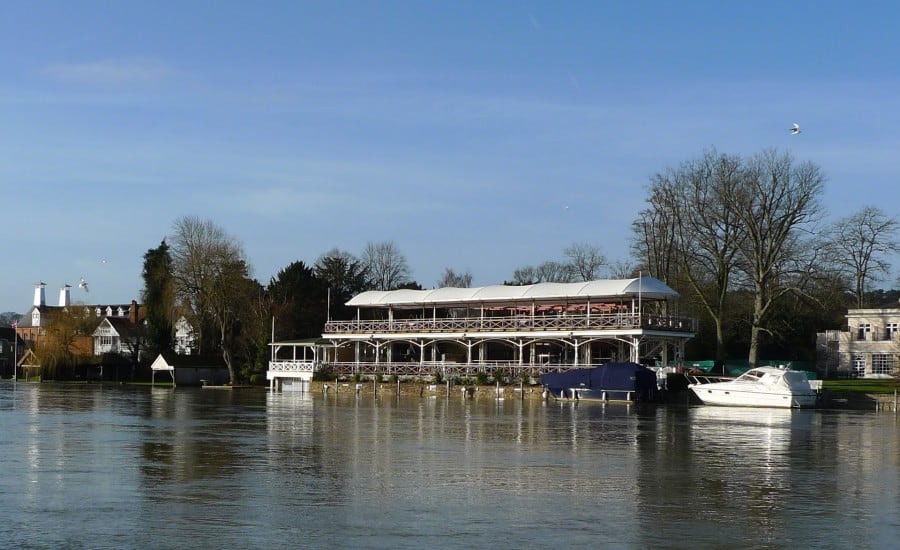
(460, 130)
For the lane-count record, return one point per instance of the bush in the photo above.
(323, 375)
(481, 378)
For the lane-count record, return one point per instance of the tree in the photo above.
(385, 265)
(212, 278)
(545, 272)
(298, 297)
(585, 261)
(700, 241)
(775, 203)
(158, 297)
(65, 339)
(859, 244)
(345, 276)
(451, 278)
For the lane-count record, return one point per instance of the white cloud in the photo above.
(106, 72)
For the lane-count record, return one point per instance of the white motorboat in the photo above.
(758, 387)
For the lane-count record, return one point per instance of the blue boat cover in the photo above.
(611, 377)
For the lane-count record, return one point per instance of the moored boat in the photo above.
(758, 387)
(608, 382)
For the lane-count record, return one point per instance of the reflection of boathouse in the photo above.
(512, 330)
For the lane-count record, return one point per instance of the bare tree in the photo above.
(585, 261)
(623, 269)
(386, 265)
(700, 240)
(775, 203)
(211, 277)
(451, 278)
(859, 244)
(653, 241)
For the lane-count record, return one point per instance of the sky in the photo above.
(480, 136)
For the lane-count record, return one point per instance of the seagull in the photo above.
(82, 284)
(795, 129)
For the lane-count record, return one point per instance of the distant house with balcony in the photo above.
(501, 331)
(867, 347)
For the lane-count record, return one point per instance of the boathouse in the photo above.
(502, 331)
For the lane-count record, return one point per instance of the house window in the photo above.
(864, 329)
(859, 365)
(882, 363)
(891, 330)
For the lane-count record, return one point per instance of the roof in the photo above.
(124, 327)
(607, 289)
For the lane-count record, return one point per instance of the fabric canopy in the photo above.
(608, 289)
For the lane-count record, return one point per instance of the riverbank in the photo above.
(840, 400)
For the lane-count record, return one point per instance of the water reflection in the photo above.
(167, 468)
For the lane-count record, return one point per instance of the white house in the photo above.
(868, 347)
(121, 336)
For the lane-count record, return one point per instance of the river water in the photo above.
(140, 467)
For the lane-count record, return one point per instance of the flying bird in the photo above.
(795, 129)
(82, 284)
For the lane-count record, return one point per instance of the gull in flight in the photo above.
(82, 284)
(795, 129)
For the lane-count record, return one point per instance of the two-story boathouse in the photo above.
(499, 330)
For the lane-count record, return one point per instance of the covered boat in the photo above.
(612, 381)
(759, 387)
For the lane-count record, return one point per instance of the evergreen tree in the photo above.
(158, 297)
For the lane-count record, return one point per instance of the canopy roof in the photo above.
(607, 289)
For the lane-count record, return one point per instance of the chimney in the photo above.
(39, 294)
(133, 313)
(64, 295)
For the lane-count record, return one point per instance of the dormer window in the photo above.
(36, 318)
(98, 311)
(120, 312)
(109, 311)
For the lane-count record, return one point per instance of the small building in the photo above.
(867, 347)
(191, 370)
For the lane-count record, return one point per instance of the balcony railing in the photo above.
(516, 324)
(421, 368)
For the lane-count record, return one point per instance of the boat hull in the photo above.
(726, 394)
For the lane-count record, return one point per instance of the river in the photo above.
(90, 466)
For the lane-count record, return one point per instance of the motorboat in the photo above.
(758, 387)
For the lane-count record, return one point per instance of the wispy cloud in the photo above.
(107, 72)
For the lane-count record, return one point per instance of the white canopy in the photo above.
(608, 289)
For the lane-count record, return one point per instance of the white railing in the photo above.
(293, 366)
(516, 323)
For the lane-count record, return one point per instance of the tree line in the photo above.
(743, 240)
